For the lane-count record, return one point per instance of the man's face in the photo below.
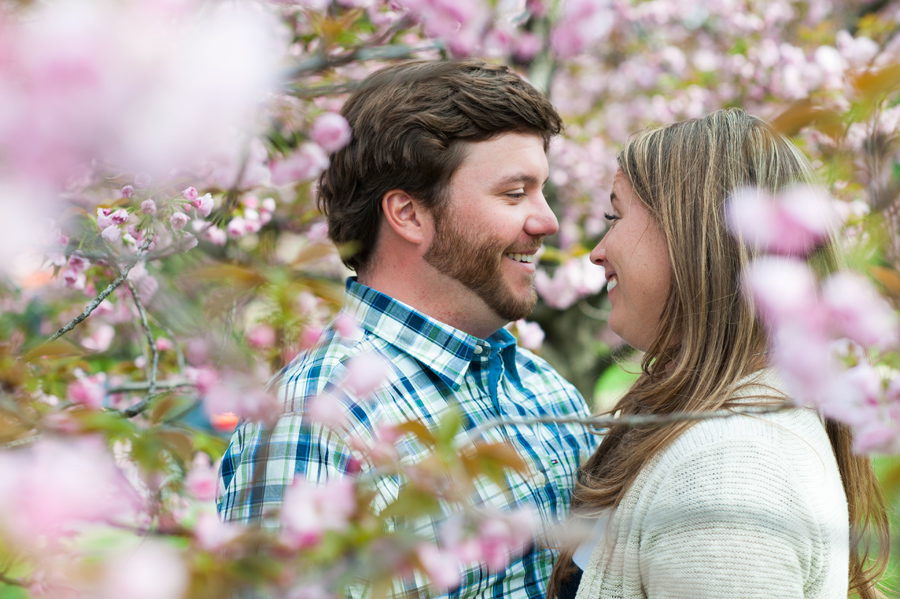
(492, 224)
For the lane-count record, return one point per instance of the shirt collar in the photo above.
(443, 349)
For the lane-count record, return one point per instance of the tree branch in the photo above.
(151, 342)
(320, 61)
(145, 385)
(103, 294)
(601, 423)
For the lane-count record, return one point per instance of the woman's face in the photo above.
(633, 251)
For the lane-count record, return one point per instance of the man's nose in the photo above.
(542, 222)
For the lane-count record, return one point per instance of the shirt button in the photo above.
(478, 350)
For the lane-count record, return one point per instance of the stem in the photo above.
(151, 342)
(103, 294)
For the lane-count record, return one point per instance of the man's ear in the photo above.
(406, 216)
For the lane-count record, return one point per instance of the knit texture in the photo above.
(747, 506)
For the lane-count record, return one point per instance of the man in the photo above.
(439, 197)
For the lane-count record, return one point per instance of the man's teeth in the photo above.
(528, 258)
(611, 284)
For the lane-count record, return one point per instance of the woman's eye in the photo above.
(611, 217)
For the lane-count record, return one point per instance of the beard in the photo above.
(476, 261)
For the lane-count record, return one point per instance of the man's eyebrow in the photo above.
(520, 178)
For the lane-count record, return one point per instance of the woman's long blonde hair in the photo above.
(709, 337)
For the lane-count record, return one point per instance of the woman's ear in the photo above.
(406, 216)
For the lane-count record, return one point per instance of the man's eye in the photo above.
(611, 217)
(517, 194)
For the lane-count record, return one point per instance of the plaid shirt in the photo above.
(432, 367)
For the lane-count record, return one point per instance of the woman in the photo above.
(743, 506)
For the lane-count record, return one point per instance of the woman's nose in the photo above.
(598, 254)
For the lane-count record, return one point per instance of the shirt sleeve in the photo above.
(729, 522)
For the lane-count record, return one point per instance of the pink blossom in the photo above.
(152, 570)
(190, 194)
(318, 233)
(73, 279)
(244, 396)
(202, 479)
(331, 131)
(143, 281)
(203, 204)
(261, 336)
(327, 411)
(215, 235)
(306, 163)
(178, 220)
(268, 205)
(164, 344)
(583, 23)
(574, 279)
(78, 262)
(859, 312)
(237, 227)
(205, 377)
(251, 220)
(100, 337)
(103, 217)
(111, 233)
(310, 335)
(310, 510)
(876, 437)
(127, 191)
(143, 180)
(345, 325)
(148, 207)
(47, 490)
(365, 373)
(119, 217)
(89, 391)
(441, 568)
(782, 288)
(212, 534)
(530, 334)
(791, 222)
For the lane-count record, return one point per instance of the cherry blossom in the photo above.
(330, 131)
(148, 207)
(309, 511)
(791, 223)
(305, 163)
(530, 334)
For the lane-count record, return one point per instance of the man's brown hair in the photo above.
(410, 125)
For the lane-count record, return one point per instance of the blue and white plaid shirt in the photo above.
(432, 368)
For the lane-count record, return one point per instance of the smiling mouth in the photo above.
(611, 284)
(525, 258)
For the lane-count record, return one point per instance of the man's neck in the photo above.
(438, 297)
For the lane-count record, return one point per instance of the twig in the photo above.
(145, 385)
(103, 294)
(151, 342)
(16, 582)
(23, 441)
(599, 423)
(140, 406)
(320, 62)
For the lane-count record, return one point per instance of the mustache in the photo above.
(526, 249)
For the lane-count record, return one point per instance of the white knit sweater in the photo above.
(738, 507)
